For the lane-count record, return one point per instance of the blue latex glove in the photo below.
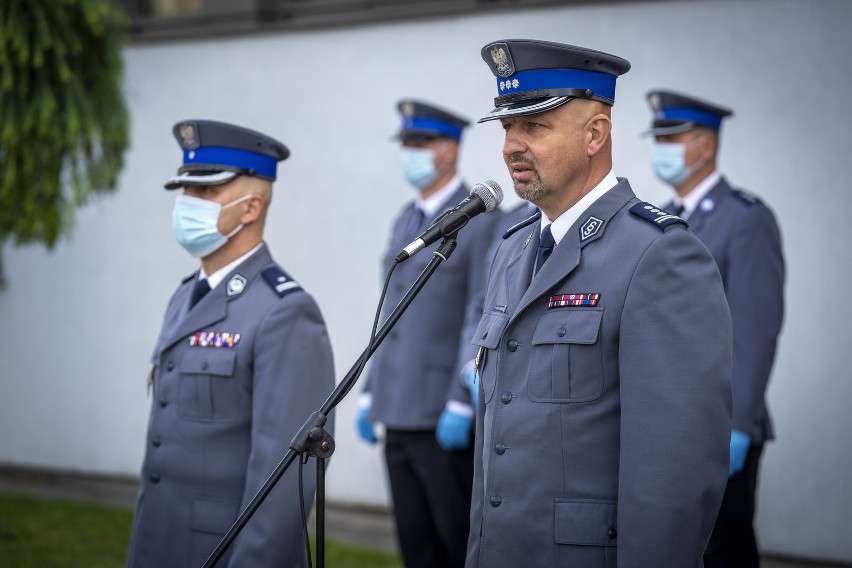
(453, 431)
(365, 427)
(473, 387)
(740, 443)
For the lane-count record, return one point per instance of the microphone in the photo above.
(483, 197)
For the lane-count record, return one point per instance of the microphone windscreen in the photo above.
(489, 192)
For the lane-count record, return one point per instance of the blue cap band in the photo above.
(221, 156)
(435, 125)
(602, 84)
(702, 117)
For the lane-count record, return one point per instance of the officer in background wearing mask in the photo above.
(743, 237)
(242, 358)
(416, 385)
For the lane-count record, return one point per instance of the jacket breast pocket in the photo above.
(487, 337)
(567, 363)
(208, 390)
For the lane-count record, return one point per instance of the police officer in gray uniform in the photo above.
(242, 358)
(604, 412)
(743, 237)
(416, 385)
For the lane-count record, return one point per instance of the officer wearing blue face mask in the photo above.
(417, 384)
(242, 356)
(741, 233)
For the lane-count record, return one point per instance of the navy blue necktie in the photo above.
(545, 247)
(416, 221)
(200, 288)
(677, 209)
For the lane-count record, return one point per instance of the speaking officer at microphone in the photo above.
(604, 346)
(416, 384)
(743, 237)
(242, 358)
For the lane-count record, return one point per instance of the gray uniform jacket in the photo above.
(417, 368)
(743, 237)
(222, 417)
(603, 437)
(504, 222)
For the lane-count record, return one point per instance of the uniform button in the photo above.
(496, 500)
(170, 365)
(561, 331)
(506, 397)
(164, 403)
(512, 345)
(499, 448)
(157, 441)
(155, 478)
(612, 533)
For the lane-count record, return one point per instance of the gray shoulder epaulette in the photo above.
(655, 215)
(280, 281)
(747, 196)
(528, 221)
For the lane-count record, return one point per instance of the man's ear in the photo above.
(450, 152)
(598, 130)
(255, 206)
(709, 145)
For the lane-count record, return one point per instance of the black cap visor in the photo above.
(419, 135)
(200, 177)
(524, 108)
(667, 127)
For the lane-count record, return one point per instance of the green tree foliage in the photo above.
(63, 122)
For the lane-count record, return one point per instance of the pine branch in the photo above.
(64, 126)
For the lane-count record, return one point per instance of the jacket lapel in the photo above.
(568, 253)
(714, 197)
(454, 199)
(213, 307)
(408, 228)
(520, 268)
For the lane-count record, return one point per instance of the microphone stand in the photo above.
(313, 440)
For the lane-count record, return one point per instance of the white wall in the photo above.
(78, 323)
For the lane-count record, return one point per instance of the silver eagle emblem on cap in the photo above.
(408, 109)
(654, 101)
(188, 136)
(502, 59)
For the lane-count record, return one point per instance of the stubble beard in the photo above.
(529, 190)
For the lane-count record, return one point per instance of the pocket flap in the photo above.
(213, 516)
(586, 522)
(208, 361)
(569, 326)
(489, 330)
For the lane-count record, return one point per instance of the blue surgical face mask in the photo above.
(195, 223)
(418, 166)
(668, 159)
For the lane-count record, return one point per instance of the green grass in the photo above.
(38, 533)
(43, 533)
